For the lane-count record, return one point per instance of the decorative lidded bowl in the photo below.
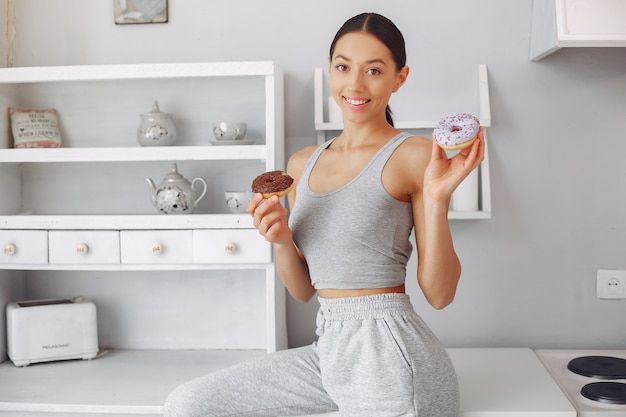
(156, 128)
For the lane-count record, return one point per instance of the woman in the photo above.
(357, 199)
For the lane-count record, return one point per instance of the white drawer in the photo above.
(24, 246)
(156, 246)
(230, 246)
(84, 246)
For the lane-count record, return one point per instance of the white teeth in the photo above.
(356, 102)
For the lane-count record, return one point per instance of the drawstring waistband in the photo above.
(364, 307)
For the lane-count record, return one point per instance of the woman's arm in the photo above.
(439, 268)
(270, 218)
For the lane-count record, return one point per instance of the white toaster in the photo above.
(50, 330)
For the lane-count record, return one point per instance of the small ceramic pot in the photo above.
(238, 200)
(156, 128)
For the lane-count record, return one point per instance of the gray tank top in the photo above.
(358, 235)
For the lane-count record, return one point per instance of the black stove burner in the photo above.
(601, 367)
(605, 392)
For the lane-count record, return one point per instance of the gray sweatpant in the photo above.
(375, 357)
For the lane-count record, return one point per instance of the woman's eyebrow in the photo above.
(371, 61)
(345, 58)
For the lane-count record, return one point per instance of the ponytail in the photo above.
(389, 115)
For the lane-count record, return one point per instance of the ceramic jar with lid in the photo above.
(156, 128)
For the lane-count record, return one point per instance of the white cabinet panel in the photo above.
(24, 246)
(230, 246)
(84, 246)
(109, 232)
(576, 23)
(156, 246)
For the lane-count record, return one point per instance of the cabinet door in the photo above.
(601, 18)
(84, 246)
(156, 246)
(230, 246)
(24, 246)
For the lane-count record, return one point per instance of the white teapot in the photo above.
(175, 194)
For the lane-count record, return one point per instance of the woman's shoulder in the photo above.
(416, 146)
(414, 153)
(303, 154)
(417, 141)
(298, 160)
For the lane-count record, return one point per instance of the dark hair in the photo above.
(383, 29)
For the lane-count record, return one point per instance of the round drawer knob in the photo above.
(82, 249)
(10, 249)
(230, 247)
(157, 249)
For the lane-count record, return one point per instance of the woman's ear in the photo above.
(403, 74)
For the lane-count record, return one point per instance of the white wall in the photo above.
(4, 37)
(556, 142)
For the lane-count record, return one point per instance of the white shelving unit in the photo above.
(484, 115)
(560, 24)
(96, 183)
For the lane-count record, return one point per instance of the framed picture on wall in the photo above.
(140, 11)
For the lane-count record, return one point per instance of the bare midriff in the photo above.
(359, 292)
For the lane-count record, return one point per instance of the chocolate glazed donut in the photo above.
(272, 183)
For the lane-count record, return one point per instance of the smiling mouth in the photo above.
(354, 102)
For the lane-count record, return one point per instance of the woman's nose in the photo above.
(356, 81)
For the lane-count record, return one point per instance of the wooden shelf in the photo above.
(136, 382)
(132, 154)
(331, 126)
(321, 126)
(484, 115)
(21, 75)
(131, 222)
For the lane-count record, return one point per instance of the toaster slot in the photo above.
(37, 303)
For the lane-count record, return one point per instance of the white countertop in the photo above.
(494, 382)
(507, 382)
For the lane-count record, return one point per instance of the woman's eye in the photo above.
(373, 71)
(341, 67)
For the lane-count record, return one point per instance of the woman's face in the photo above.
(363, 76)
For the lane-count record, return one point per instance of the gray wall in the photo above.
(556, 145)
(3, 39)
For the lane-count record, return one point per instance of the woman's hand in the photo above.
(270, 218)
(443, 175)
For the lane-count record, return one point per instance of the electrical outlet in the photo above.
(611, 284)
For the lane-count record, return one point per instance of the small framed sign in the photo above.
(35, 128)
(140, 11)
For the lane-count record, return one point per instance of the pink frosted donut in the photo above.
(456, 132)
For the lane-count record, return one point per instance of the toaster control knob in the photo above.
(157, 249)
(82, 249)
(10, 249)
(230, 247)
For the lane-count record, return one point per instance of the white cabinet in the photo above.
(484, 183)
(230, 246)
(80, 218)
(156, 246)
(84, 247)
(576, 23)
(24, 247)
